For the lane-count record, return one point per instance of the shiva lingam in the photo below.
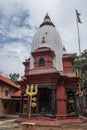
(31, 91)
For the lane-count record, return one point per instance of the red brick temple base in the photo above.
(45, 121)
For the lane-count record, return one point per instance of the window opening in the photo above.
(41, 62)
(6, 93)
(5, 105)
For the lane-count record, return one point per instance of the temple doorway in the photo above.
(44, 103)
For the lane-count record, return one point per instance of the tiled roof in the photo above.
(17, 94)
(8, 81)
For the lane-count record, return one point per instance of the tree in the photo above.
(80, 64)
(14, 77)
(1, 72)
(84, 68)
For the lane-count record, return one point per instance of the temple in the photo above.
(50, 67)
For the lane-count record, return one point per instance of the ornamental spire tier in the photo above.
(47, 21)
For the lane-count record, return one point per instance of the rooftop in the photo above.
(8, 81)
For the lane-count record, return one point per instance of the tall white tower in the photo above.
(52, 39)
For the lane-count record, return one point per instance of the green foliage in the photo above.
(80, 64)
(14, 77)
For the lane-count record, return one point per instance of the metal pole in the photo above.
(78, 36)
(30, 108)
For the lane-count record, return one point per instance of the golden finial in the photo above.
(47, 16)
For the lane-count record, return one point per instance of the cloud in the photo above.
(16, 31)
(12, 55)
(19, 20)
(63, 16)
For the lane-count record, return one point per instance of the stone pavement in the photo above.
(7, 122)
(10, 124)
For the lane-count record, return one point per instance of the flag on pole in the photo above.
(78, 17)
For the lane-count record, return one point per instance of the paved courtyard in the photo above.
(10, 124)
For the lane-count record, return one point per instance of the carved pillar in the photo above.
(21, 101)
(53, 102)
(76, 110)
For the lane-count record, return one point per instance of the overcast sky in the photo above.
(19, 19)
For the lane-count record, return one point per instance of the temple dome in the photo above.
(52, 39)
